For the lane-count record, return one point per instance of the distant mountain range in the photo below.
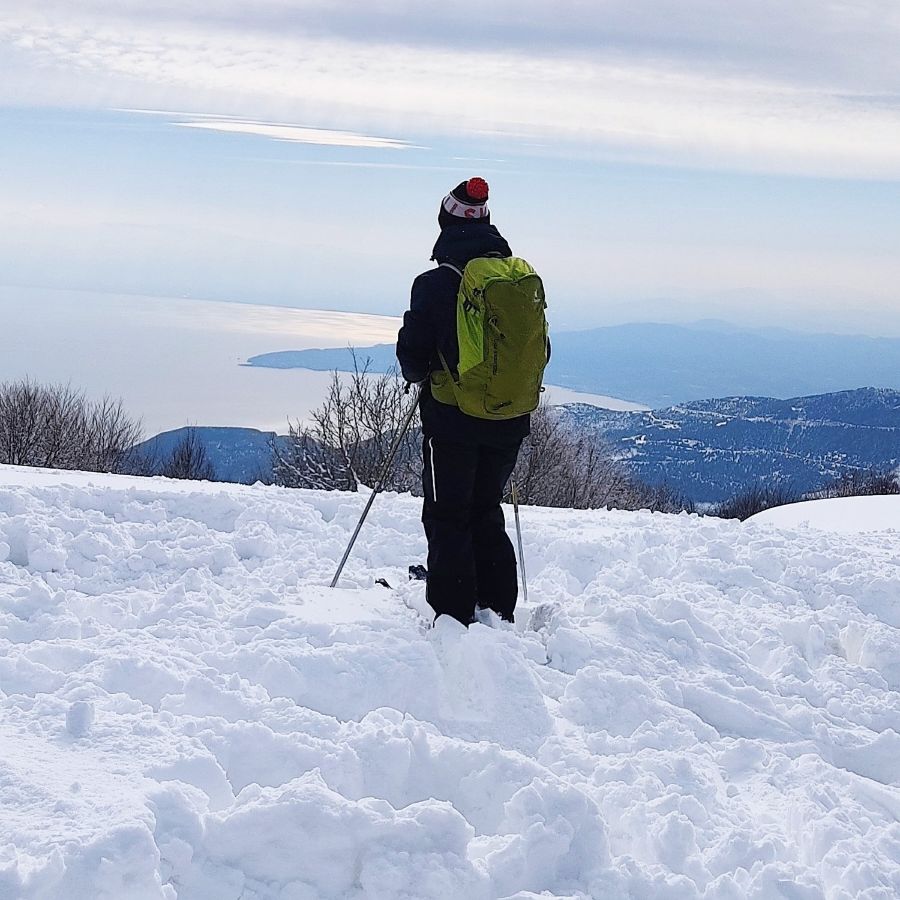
(713, 449)
(709, 450)
(661, 365)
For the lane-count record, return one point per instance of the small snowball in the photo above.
(79, 718)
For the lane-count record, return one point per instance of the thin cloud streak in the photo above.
(298, 134)
(366, 164)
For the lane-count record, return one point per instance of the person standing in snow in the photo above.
(470, 448)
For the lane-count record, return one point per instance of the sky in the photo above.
(663, 160)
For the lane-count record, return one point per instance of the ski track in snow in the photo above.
(690, 708)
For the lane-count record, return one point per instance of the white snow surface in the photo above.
(845, 515)
(689, 708)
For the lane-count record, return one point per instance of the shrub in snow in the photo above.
(560, 466)
(351, 436)
(57, 427)
(869, 483)
(755, 500)
(188, 459)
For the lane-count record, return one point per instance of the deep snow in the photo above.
(690, 708)
(845, 515)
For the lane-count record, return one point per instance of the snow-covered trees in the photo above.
(58, 427)
(755, 499)
(853, 483)
(562, 467)
(350, 437)
(866, 483)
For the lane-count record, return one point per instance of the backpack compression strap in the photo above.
(454, 384)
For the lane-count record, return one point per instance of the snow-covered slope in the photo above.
(691, 708)
(846, 515)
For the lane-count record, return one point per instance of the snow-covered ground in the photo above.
(845, 515)
(690, 707)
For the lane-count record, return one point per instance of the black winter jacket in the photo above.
(430, 324)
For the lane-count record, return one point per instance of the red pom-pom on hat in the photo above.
(477, 189)
(467, 202)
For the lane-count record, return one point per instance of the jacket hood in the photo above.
(458, 244)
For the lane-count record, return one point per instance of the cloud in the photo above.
(812, 39)
(762, 86)
(299, 134)
(769, 36)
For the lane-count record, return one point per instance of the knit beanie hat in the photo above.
(467, 202)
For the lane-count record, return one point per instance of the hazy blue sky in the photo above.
(668, 159)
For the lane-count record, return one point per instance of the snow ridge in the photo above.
(691, 709)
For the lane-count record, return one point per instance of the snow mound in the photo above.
(844, 515)
(691, 708)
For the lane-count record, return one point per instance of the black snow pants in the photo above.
(471, 561)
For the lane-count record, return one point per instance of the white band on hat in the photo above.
(465, 210)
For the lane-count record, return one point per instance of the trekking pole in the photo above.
(378, 484)
(515, 500)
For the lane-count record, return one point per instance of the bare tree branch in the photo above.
(350, 435)
(189, 459)
(57, 427)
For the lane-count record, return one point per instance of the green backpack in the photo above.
(501, 330)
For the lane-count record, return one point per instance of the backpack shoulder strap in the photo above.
(451, 380)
